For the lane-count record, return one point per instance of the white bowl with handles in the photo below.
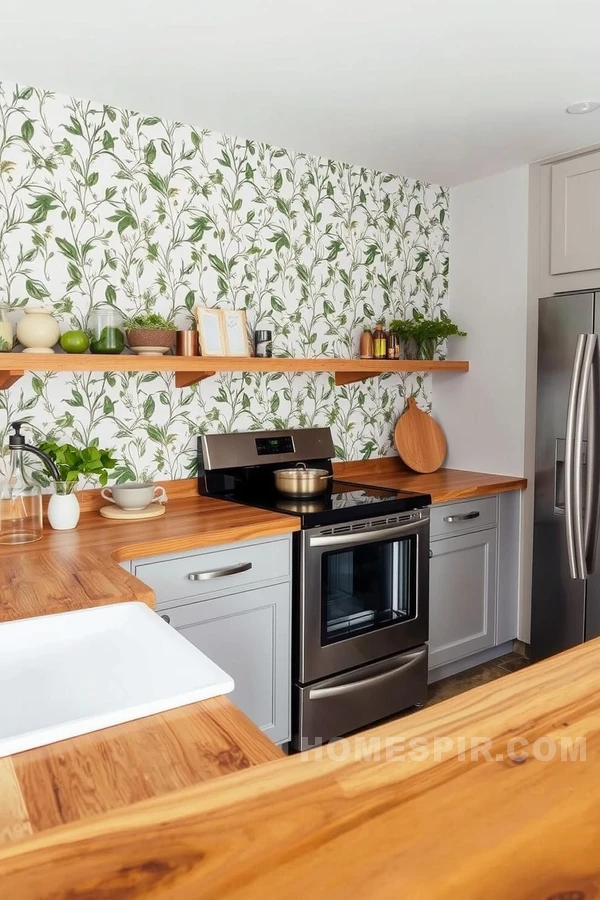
(138, 495)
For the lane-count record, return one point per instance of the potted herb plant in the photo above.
(73, 462)
(422, 336)
(150, 334)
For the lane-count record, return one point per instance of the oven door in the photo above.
(363, 594)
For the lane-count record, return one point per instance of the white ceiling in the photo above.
(445, 90)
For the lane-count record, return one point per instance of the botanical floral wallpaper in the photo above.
(102, 205)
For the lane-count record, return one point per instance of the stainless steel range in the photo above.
(361, 580)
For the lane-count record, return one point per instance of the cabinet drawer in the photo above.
(212, 571)
(466, 515)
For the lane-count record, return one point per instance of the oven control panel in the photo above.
(273, 446)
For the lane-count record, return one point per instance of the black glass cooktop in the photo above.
(342, 502)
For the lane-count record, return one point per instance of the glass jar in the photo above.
(20, 504)
(6, 330)
(105, 326)
(263, 344)
(393, 346)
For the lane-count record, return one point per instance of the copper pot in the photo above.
(301, 482)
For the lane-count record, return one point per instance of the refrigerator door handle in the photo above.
(592, 490)
(570, 455)
(578, 514)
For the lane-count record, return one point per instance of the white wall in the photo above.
(483, 413)
(487, 414)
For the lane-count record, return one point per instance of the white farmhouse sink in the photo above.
(76, 672)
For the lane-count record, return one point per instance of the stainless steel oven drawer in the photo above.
(341, 704)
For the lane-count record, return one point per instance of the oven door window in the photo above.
(367, 587)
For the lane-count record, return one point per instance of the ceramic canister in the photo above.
(38, 329)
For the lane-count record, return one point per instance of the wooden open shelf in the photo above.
(190, 369)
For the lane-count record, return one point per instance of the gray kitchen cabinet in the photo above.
(233, 602)
(565, 213)
(462, 599)
(575, 215)
(248, 635)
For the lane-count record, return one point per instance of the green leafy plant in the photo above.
(150, 320)
(73, 461)
(428, 334)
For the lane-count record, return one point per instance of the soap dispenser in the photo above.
(20, 497)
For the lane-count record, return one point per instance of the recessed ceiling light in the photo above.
(586, 106)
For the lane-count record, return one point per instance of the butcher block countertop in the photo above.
(411, 808)
(445, 485)
(69, 570)
(78, 569)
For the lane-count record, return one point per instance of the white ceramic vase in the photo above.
(38, 330)
(63, 508)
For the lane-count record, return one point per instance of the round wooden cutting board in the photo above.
(126, 515)
(419, 439)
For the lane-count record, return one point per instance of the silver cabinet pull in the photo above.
(166, 618)
(462, 517)
(220, 573)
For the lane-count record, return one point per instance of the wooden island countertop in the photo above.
(366, 818)
(70, 784)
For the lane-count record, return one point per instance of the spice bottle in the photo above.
(379, 343)
(366, 344)
(393, 346)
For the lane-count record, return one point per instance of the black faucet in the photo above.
(16, 441)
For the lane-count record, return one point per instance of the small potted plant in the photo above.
(422, 336)
(72, 462)
(150, 334)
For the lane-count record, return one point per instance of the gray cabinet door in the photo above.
(575, 215)
(462, 596)
(248, 635)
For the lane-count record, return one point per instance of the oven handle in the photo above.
(366, 537)
(409, 659)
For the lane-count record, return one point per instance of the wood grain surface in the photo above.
(419, 439)
(115, 767)
(15, 364)
(77, 569)
(444, 486)
(433, 825)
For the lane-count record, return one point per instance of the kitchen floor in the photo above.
(486, 672)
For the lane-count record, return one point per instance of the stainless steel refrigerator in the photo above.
(566, 577)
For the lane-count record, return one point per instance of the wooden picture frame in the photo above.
(235, 332)
(211, 336)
